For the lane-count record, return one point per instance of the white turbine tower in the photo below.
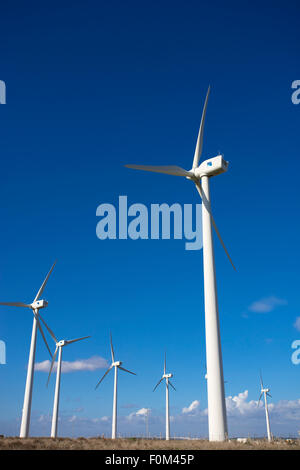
(116, 365)
(168, 382)
(265, 392)
(35, 306)
(59, 345)
(200, 175)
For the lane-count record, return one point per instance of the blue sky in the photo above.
(91, 87)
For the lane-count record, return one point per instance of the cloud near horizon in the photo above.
(142, 412)
(194, 406)
(92, 363)
(245, 418)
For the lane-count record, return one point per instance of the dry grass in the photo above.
(45, 443)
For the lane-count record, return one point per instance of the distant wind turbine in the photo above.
(168, 382)
(200, 175)
(58, 349)
(265, 392)
(116, 365)
(35, 306)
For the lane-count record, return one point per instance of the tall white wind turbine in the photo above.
(59, 345)
(35, 306)
(116, 365)
(265, 392)
(200, 174)
(168, 382)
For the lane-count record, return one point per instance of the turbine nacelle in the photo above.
(116, 364)
(61, 343)
(265, 390)
(38, 304)
(211, 167)
(167, 376)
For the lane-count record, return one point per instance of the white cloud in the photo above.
(104, 418)
(194, 406)
(238, 405)
(297, 324)
(267, 304)
(93, 363)
(142, 412)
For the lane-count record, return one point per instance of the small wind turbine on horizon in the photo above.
(265, 392)
(168, 382)
(59, 345)
(35, 306)
(116, 365)
(200, 174)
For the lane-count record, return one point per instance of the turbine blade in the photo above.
(269, 395)
(112, 349)
(172, 385)
(125, 370)
(157, 384)
(49, 329)
(52, 364)
(15, 304)
(42, 333)
(261, 380)
(110, 367)
(199, 144)
(259, 399)
(77, 339)
(207, 207)
(169, 170)
(41, 289)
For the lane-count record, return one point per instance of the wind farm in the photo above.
(152, 150)
(200, 174)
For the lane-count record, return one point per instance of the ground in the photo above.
(98, 443)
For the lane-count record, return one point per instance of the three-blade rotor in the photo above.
(35, 306)
(165, 376)
(263, 390)
(191, 174)
(58, 344)
(113, 364)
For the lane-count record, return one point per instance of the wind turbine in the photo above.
(116, 365)
(200, 175)
(59, 345)
(168, 382)
(35, 306)
(265, 392)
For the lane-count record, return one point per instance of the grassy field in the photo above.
(44, 443)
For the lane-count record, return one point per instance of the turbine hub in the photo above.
(38, 304)
(212, 167)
